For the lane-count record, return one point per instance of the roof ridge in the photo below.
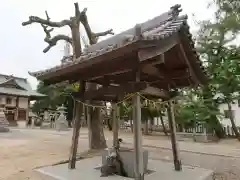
(17, 84)
(16, 77)
(7, 80)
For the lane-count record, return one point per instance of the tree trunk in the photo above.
(215, 124)
(97, 135)
(231, 117)
(217, 127)
(163, 125)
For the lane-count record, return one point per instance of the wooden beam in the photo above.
(162, 74)
(109, 68)
(116, 79)
(110, 74)
(158, 47)
(152, 91)
(106, 98)
(151, 70)
(148, 77)
(192, 73)
(113, 90)
(159, 60)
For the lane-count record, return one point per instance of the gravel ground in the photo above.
(23, 150)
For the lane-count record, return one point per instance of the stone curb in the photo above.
(189, 151)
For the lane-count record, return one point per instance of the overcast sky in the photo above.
(21, 47)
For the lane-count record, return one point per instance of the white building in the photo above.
(15, 96)
(235, 111)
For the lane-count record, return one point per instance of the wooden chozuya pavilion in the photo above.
(158, 54)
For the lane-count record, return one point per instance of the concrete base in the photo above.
(198, 137)
(85, 169)
(4, 129)
(127, 157)
(13, 123)
(46, 125)
(61, 126)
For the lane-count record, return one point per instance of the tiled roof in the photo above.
(158, 28)
(25, 90)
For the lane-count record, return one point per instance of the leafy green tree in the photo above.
(193, 112)
(56, 96)
(215, 39)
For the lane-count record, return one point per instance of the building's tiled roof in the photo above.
(24, 90)
(158, 28)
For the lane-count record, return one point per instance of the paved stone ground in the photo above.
(22, 150)
(160, 169)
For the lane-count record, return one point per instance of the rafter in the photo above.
(114, 90)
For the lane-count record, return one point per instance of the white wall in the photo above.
(3, 100)
(23, 102)
(236, 109)
(157, 120)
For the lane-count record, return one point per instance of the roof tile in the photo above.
(25, 91)
(157, 28)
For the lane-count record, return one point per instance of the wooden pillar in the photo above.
(76, 128)
(118, 120)
(172, 126)
(79, 108)
(16, 109)
(89, 127)
(27, 113)
(115, 124)
(138, 152)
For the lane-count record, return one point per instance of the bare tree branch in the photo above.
(45, 23)
(93, 37)
(110, 31)
(77, 12)
(48, 18)
(48, 27)
(53, 41)
(47, 31)
(36, 19)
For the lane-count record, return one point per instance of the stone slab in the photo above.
(85, 169)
